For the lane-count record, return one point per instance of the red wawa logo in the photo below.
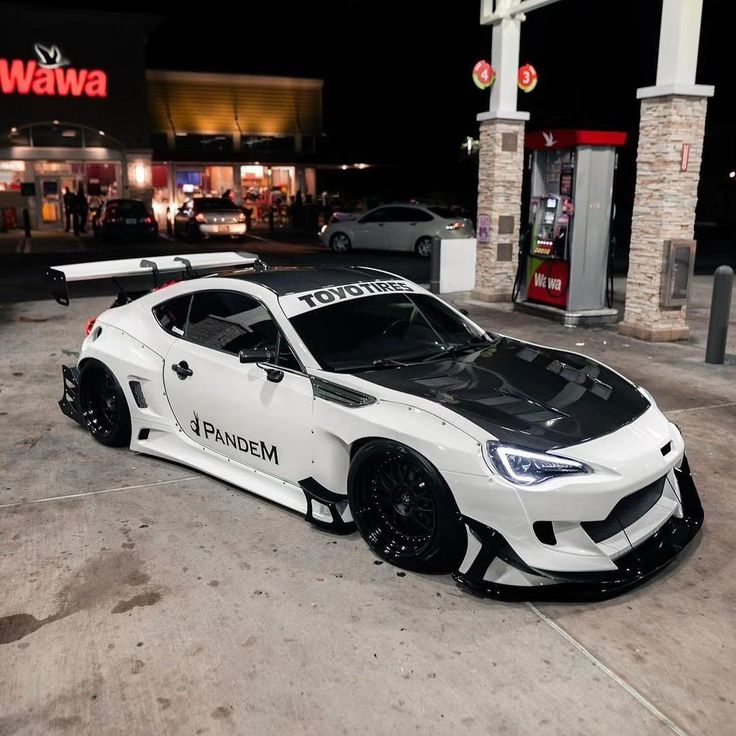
(50, 75)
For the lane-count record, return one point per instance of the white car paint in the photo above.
(313, 437)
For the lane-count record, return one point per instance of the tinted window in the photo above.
(382, 214)
(230, 322)
(172, 315)
(351, 335)
(409, 214)
(447, 213)
(213, 204)
(126, 207)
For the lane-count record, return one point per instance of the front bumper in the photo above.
(632, 568)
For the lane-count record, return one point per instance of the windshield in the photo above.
(371, 332)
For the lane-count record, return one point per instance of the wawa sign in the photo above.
(51, 75)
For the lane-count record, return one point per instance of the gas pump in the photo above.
(566, 268)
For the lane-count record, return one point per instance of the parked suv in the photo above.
(400, 227)
(207, 217)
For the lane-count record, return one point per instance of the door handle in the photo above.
(182, 369)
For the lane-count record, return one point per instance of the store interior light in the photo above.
(140, 174)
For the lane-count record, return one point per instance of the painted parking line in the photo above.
(96, 493)
(641, 699)
(701, 408)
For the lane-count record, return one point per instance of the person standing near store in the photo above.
(70, 208)
(82, 210)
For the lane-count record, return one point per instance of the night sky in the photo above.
(398, 88)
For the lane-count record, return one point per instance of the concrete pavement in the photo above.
(141, 597)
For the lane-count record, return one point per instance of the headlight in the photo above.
(526, 467)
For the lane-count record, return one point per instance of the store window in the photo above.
(202, 181)
(11, 175)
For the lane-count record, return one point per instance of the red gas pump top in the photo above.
(570, 138)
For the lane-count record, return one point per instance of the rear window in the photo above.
(447, 213)
(213, 204)
(124, 207)
(172, 315)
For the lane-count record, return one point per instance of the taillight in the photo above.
(168, 283)
(199, 217)
(148, 220)
(455, 225)
(241, 217)
(89, 326)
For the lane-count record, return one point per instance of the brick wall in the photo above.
(664, 209)
(501, 162)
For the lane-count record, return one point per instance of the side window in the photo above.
(172, 315)
(411, 214)
(380, 215)
(230, 322)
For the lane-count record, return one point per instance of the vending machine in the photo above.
(564, 265)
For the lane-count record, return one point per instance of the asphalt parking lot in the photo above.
(141, 597)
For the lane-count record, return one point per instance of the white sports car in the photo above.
(359, 399)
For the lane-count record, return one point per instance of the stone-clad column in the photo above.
(664, 209)
(500, 171)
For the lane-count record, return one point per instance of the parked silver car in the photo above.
(400, 227)
(206, 217)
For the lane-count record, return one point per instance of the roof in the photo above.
(210, 104)
(291, 280)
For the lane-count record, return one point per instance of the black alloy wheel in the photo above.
(404, 509)
(104, 406)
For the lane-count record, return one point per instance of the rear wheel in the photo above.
(340, 243)
(404, 509)
(423, 247)
(104, 406)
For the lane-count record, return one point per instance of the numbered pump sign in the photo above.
(527, 78)
(484, 75)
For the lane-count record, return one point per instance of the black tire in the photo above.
(104, 406)
(340, 243)
(423, 247)
(404, 509)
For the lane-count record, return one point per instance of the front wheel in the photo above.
(340, 243)
(104, 406)
(404, 509)
(423, 247)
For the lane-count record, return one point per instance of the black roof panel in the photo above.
(283, 281)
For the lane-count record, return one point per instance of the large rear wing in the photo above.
(189, 265)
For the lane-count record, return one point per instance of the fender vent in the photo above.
(666, 449)
(339, 394)
(143, 434)
(137, 391)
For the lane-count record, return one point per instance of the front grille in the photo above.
(628, 510)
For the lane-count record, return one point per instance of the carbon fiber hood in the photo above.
(523, 394)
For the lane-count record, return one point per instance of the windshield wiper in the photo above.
(477, 344)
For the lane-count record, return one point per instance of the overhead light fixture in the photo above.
(13, 130)
(101, 132)
(732, 174)
(344, 167)
(56, 122)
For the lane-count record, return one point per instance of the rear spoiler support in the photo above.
(189, 266)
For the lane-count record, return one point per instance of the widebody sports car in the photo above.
(359, 399)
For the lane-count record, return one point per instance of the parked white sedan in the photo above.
(400, 227)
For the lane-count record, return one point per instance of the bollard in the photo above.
(720, 312)
(434, 265)
(26, 222)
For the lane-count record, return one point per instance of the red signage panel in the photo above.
(548, 281)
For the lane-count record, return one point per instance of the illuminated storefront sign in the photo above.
(50, 75)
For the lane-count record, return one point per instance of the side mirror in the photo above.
(255, 355)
